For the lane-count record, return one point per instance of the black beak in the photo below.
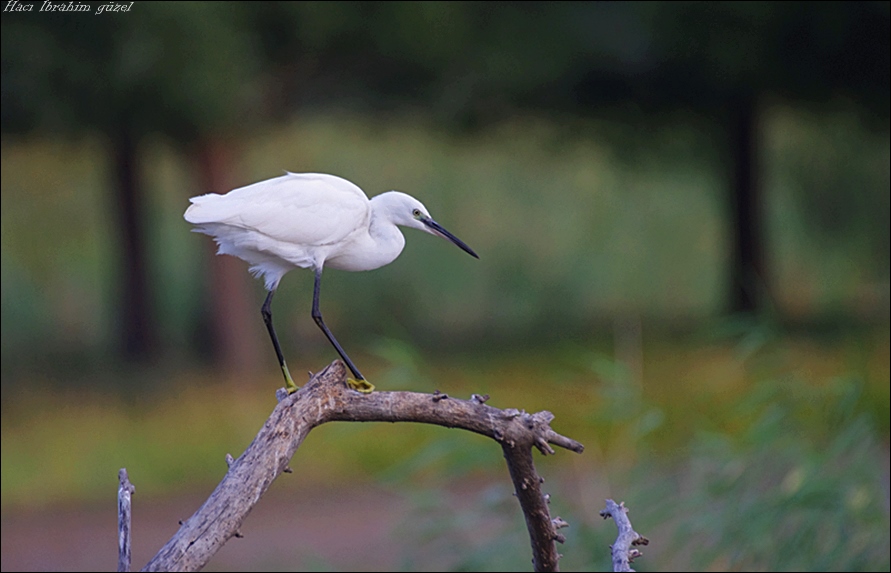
(438, 229)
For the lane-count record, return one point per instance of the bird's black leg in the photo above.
(266, 311)
(360, 383)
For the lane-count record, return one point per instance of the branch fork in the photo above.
(327, 398)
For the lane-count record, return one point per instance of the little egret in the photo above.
(310, 220)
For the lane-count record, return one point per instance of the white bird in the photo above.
(310, 220)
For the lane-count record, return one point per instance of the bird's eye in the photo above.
(416, 213)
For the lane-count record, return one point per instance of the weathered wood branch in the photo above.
(326, 398)
(623, 550)
(125, 492)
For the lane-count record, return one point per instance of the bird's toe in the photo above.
(363, 385)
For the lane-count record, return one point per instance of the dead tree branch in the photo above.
(327, 398)
(623, 549)
(125, 492)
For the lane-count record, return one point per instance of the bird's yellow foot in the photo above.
(289, 382)
(363, 385)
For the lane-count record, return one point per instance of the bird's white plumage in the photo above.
(296, 208)
(310, 220)
(306, 220)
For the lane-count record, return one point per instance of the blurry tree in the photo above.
(723, 59)
(200, 72)
(710, 63)
(669, 62)
(180, 70)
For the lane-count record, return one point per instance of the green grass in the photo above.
(731, 456)
(68, 444)
(779, 472)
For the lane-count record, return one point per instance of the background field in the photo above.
(740, 441)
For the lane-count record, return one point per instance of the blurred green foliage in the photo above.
(740, 448)
(782, 496)
(795, 486)
(575, 147)
(570, 234)
(576, 307)
(189, 70)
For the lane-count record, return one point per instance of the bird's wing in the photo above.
(310, 209)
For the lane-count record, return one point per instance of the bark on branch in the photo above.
(125, 492)
(623, 550)
(327, 398)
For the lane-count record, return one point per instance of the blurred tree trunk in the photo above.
(234, 306)
(138, 326)
(747, 256)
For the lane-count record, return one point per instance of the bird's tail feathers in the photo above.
(201, 210)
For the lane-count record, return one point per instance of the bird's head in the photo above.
(403, 209)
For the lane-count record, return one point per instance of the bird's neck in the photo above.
(386, 235)
(377, 247)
